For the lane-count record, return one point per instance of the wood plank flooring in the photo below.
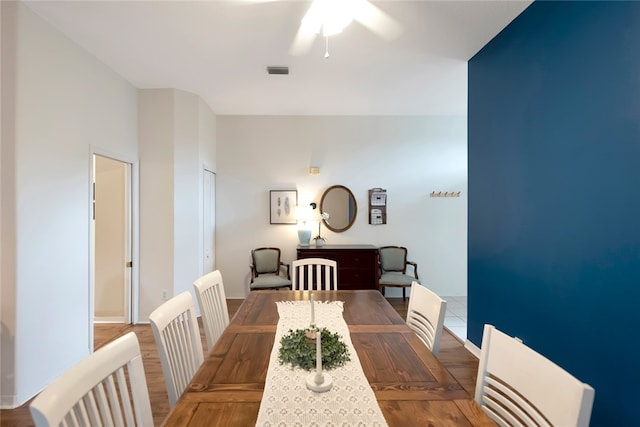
(460, 363)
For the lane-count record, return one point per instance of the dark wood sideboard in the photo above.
(357, 264)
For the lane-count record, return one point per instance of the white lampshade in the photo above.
(303, 213)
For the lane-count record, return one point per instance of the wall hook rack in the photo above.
(445, 194)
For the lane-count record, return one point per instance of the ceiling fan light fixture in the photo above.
(329, 16)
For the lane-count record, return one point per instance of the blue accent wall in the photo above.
(554, 193)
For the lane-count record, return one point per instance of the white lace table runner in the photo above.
(288, 402)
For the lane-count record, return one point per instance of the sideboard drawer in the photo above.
(357, 264)
(353, 278)
(354, 259)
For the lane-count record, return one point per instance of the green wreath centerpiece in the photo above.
(298, 348)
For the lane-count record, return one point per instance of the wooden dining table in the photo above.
(411, 385)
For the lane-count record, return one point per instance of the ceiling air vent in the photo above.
(278, 70)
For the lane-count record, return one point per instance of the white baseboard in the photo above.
(473, 349)
(106, 319)
(8, 402)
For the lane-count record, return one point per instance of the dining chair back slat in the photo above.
(175, 329)
(314, 274)
(108, 387)
(425, 315)
(213, 306)
(519, 387)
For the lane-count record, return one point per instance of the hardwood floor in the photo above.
(460, 363)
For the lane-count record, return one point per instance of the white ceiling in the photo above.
(220, 51)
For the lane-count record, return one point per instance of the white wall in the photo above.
(187, 193)
(59, 105)
(408, 156)
(155, 126)
(7, 207)
(177, 137)
(207, 156)
(65, 101)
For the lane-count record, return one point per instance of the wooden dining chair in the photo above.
(425, 315)
(213, 306)
(314, 274)
(393, 269)
(177, 335)
(517, 386)
(267, 270)
(108, 387)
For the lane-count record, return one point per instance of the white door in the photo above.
(209, 217)
(112, 240)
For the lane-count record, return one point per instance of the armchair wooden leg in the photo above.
(403, 293)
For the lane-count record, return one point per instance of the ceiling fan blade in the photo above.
(302, 42)
(252, 1)
(377, 21)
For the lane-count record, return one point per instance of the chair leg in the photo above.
(382, 289)
(403, 293)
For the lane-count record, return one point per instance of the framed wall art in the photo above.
(283, 206)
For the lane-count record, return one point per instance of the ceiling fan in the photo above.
(330, 17)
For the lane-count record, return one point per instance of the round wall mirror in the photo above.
(338, 201)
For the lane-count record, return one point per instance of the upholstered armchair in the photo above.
(267, 271)
(393, 269)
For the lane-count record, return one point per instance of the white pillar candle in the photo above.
(313, 315)
(318, 354)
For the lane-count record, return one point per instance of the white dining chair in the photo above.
(517, 386)
(213, 306)
(108, 387)
(314, 274)
(177, 335)
(425, 315)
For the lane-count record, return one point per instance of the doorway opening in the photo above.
(112, 224)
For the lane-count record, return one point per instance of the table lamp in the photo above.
(303, 215)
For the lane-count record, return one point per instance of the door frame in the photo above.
(205, 170)
(132, 311)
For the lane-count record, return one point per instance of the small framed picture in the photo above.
(283, 206)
